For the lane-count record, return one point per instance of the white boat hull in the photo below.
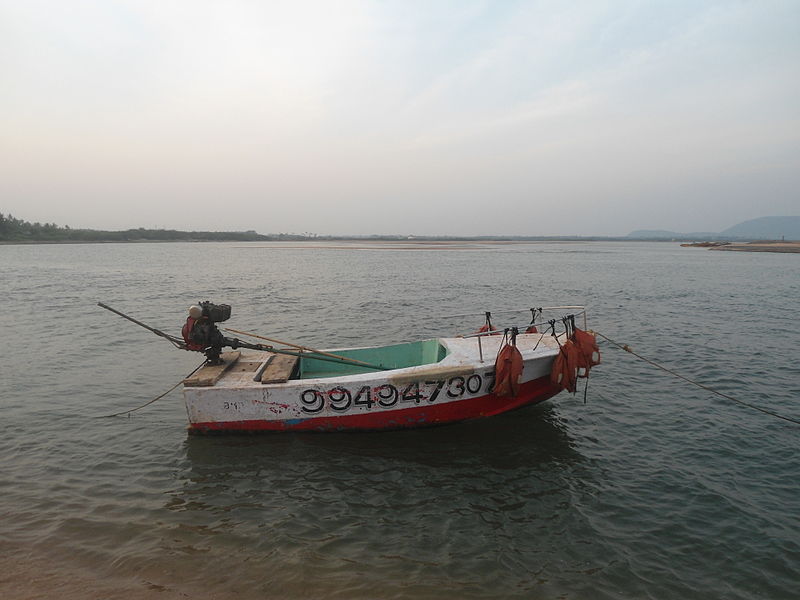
(457, 388)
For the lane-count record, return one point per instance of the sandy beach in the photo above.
(28, 575)
(786, 247)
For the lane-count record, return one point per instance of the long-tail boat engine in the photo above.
(200, 330)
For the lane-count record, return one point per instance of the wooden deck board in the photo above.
(279, 369)
(211, 374)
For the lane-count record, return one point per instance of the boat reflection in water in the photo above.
(362, 508)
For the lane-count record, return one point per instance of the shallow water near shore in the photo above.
(651, 489)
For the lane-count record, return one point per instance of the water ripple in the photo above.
(654, 489)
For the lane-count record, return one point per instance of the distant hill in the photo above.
(764, 228)
(768, 228)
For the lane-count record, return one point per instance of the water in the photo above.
(653, 489)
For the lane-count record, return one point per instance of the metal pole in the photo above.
(171, 338)
(312, 350)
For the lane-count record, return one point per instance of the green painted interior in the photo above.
(398, 356)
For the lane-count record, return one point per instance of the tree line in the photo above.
(18, 230)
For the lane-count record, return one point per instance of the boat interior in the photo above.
(269, 367)
(397, 356)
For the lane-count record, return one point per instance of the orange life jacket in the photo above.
(587, 349)
(564, 373)
(508, 370)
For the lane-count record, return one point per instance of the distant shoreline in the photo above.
(433, 242)
(760, 246)
(416, 241)
(783, 247)
(59, 242)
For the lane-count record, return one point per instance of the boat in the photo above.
(409, 385)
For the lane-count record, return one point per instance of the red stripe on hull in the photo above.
(531, 392)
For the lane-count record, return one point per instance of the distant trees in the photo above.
(17, 230)
(13, 229)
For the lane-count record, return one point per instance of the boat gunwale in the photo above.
(454, 362)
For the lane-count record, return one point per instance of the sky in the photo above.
(405, 117)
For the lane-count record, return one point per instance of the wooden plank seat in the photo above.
(211, 374)
(279, 369)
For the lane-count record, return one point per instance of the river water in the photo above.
(651, 489)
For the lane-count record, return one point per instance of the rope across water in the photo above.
(624, 347)
(695, 383)
(159, 397)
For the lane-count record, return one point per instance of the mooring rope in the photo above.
(700, 385)
(128, 412)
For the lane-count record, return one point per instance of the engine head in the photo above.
(216, 313)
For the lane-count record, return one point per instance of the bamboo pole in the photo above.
(306, 348)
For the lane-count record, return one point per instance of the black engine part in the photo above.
(216, 313)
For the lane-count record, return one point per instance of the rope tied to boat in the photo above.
(532, 326)
(552, 326)
(629, 350)
(159, 397)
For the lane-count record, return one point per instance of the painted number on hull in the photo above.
(341, 399)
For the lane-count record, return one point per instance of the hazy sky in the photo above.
(409, 117)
